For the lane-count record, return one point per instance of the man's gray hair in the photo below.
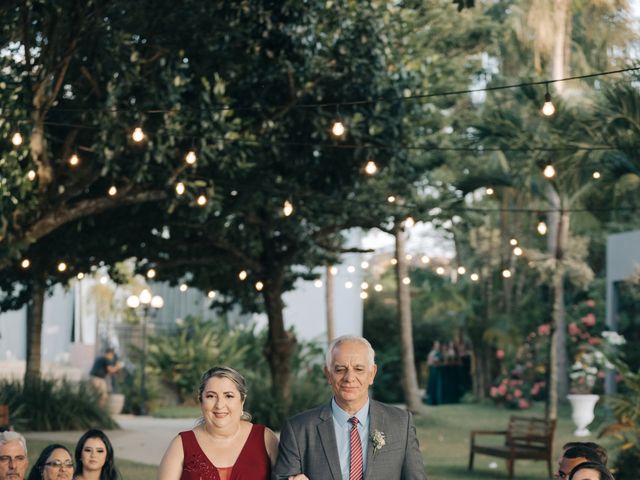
(371, 354)
(9, 436)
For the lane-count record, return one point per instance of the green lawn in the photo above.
(444, 439)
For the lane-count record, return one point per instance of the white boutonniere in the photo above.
(377, 440)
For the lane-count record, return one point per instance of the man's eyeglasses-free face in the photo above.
(59, 465)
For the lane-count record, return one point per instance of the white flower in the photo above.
(614, 338)
(377, 440)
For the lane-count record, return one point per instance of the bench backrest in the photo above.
(531, 432)
(4, 415)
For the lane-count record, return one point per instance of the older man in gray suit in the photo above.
(352, 437)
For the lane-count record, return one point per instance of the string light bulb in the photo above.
(371, 168)
(364, 265)
(137, 135)
(62, 266)
(474, 277)
(425, 259)
(26, 263)
(364, 295)
(80, 276)
(548, 108)
(596, 175)
(377, 287)
(211, 294)
(391, 199)
(393, 261)
(112, 191)
(351, 269)
(287, 208)
(74, 160)
(31, 175)
(517, 251)
(506, 273)
(151, 273)
(549, 171)
(409, 222)
(184, 287)
(461, 270)
(190, 158)
(333, 271)
(180, 188)
(364, 285)
(242, 275)
(440, 270)
(16, 139)
(201, 200)
(338, 130)
(259, 286)
(348, 284)
(490, 191)
(542, 228)
(513, 242)
(406, 280)
(317, 283)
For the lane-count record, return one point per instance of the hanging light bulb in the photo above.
(425, 259)
(440, 270)
(151, 273)
(259, 286)
(377, 287)
(364, 295)
(548, 108)
(16, 139)
(596, 175)
(490, 191)
(406, 280)
(333, 271)
(190, 158)
(317, 283)
(242, 275)
(393, 261)
(408, 256)
(26, 263)
(461, 270)
(211, 294)
(338, 130)
(542, 228)
(112, 191)
(180, 188)
(80, 276)
(513, 242)
(549, 171)
(184, 287)
(348, 284)
(364, 265)
(31, 175)
(287, 208)
(517, 251)
(62, 266)
(137, 135)
(391, 199)
(371, 168)
(474, 277)
(409, 222)
(506, 273)
(201, 200)
(74, 160)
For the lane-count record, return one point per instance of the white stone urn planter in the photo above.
(582, 406)
(116, 403)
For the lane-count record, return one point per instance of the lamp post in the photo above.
(147, 301)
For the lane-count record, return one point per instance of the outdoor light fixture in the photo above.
(148, 301)
(201, 200)
(74, 160)
(31, 175)
(211, 294)
(112, 191)
(25, 263)
(190, 158)
(62, 267)
(542, 228)
(16, 139)
(548, 108)
(517, 251)
(462, 270)
(242, 275)
(474, 277)
(287, 208)
(391, 199)
(338, 130)
(180, 188)
(596, 175)
(259, 286)
(137, 135)
(506, 273)
(549, 171)
(378, 287)
(371, 168)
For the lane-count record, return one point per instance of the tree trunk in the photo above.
(329, 303)
(279, 348)
(409, 375)
(35, 310)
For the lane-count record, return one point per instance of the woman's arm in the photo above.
(271, 444)
(171, 464)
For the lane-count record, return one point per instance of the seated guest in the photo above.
(94, 457)
(574, 456)
(590, 471)
(599, 449)
(13, 456)
(225, 445)
(54, 463)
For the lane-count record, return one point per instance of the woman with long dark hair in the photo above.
(94, 457)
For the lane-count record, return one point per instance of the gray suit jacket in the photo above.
(308, 445)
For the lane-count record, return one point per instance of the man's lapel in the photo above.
(376, 422)
(327, 434)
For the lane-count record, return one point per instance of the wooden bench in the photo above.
(4, 416)
(527, 438)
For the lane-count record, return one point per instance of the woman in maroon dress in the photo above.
(225, 445)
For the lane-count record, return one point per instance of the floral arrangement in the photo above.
(522, 380)
(587, 340)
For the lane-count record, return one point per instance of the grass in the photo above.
(443, 433)
(444, 440)
(177, 412)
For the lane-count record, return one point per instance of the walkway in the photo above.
(140, 439)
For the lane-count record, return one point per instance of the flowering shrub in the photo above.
(587, 340)
(523, 373)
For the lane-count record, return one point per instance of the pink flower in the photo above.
(517, 393)
(502, 390)
(594, 341)
(590, 303)
(535, 390)
(589, 320)
(499, 354)
(493, 392)
(544, 329)
(523, 404)
(574, 329)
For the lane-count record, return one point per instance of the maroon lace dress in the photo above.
(252, 464)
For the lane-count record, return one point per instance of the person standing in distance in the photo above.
(13, 456)
(104, 366)
(352, 437)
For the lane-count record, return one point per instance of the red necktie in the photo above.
(355, 466)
